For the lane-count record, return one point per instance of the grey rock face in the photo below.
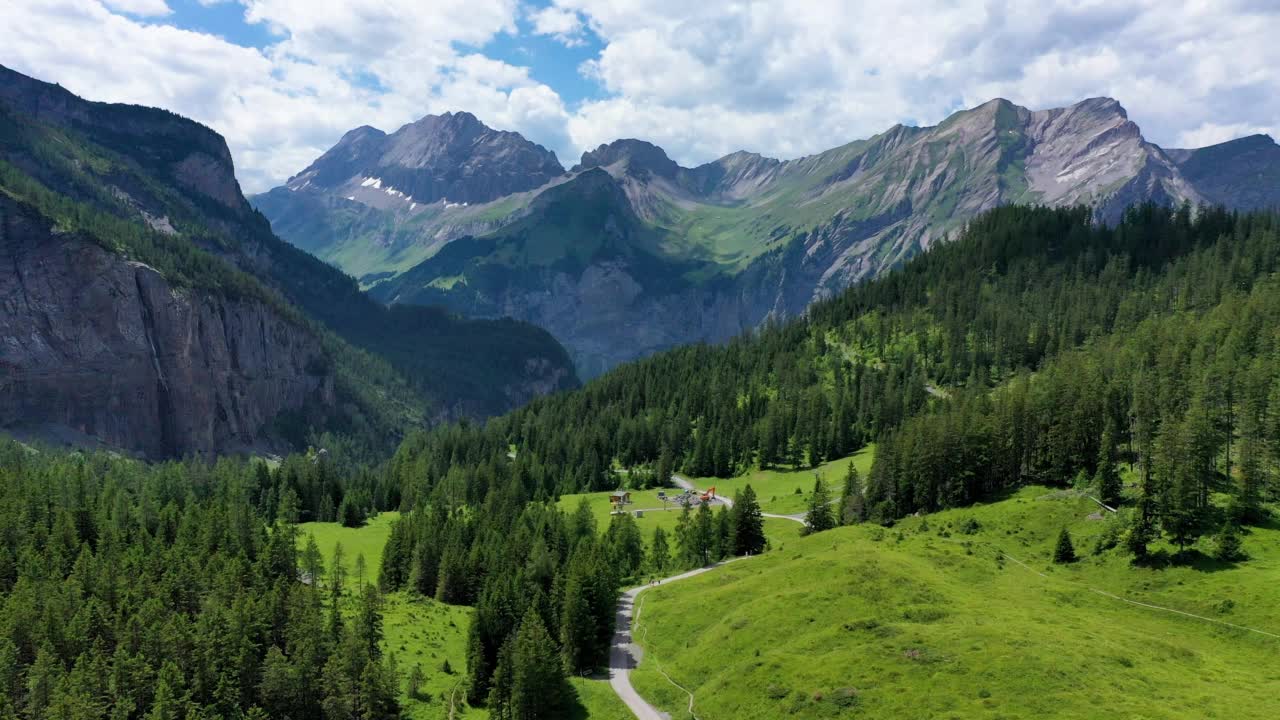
(1239, 174)
(108, 349)
(451, 157)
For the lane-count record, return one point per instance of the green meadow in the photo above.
(961, 614)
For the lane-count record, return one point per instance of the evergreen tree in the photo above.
(853, 504)
(748, 525)
(539, 690)
(819, 517)
(577, 623)
(659, 552)
(1228, 547)
(1064, 552)
(1107, 478)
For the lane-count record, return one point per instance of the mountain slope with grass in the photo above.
(747, 239)
(964, 614)
(220, 335)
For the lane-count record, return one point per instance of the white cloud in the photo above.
(1211, 134)
(790, 77)
(337, 65)
(781, 77)
(141, 8)
(564, 25)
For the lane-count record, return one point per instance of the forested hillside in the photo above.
(1040, 348)
(1034, 310)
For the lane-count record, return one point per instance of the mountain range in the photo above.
(628, 253)
(148, 307)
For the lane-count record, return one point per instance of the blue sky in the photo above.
(282, 80)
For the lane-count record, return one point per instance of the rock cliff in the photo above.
(109, 349)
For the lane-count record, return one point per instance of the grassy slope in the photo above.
(423, 632)
(926, 627)
(776, 489)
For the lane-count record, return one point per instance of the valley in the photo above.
(977, 416)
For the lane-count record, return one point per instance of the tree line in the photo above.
(167, 592)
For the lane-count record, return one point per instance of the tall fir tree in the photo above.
(819, 517)
(748, 525)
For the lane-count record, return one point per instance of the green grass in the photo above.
(426, 633)
(418, 630)
(598, 701)
(367, 541)
(856, 622)
(776, 489)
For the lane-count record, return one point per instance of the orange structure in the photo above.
(709, 495)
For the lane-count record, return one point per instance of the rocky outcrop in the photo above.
(106, 348)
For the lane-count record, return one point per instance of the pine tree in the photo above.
(539, 690)
(819, 517)
(749, 538)
(1107, 479)
(853, 504)
(686, 540)
(703, 535)
(577, 624)
(1228, 547)
(312, 562)
(413, 686)
(1142, 529)
(1064, 552)
(659, 552)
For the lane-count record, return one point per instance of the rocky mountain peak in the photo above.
(453, 158)
(635, 157)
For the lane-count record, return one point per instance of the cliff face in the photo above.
(107, 348)
(219, 327)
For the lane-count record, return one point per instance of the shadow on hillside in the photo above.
(1192, 558)
(1269, 522)
(1200, 562)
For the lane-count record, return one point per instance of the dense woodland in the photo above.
(1040, 347)
(174, 591)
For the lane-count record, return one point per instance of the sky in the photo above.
(282, 80)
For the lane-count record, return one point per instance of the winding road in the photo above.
(625, 654)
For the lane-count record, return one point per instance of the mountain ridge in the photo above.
(756, 238)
